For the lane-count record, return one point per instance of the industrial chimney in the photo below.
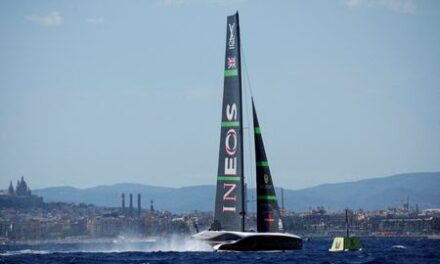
(139, 205)
(123, 202)
(151, 206)
(131, 204)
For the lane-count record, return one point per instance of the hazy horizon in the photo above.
(213, 183)
(100, 92)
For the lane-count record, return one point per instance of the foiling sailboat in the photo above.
(227, 232)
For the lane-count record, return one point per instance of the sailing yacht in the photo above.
(227, 232)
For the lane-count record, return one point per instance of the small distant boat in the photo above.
(227, 232)
(346, 243)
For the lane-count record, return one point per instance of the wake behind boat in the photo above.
(227, 232)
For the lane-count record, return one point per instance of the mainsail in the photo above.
(268, 213)
(229, 205)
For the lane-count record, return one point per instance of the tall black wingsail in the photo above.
(268, 213)
(229, 202)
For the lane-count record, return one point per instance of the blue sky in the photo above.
(101, 92)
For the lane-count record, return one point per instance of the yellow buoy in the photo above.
(346, 243)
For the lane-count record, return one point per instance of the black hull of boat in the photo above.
(262, 243)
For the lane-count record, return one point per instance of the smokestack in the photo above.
(131, 204)
(123, 202)
(139, 205)
(151, 206)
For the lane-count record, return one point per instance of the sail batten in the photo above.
(230, 124)
(263, 163)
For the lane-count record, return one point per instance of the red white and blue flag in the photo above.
(232, 63)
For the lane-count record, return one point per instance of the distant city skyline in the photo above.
(101, 92)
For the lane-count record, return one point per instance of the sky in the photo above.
(104, 92)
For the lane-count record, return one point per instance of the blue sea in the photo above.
(376, 250)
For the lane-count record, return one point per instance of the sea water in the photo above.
(376, 250)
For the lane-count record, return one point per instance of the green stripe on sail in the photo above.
(228, 178)
(263, 164)
(229, 73)
(230, 124)
(257, 130)
(267, 197)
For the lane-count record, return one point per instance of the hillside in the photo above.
(376, 193)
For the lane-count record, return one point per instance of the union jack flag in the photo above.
(232, 63)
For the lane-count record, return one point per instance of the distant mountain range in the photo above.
(422, 189)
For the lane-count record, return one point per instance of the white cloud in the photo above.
(401, 6)
(94, 20)
(171, 2)
(227, 2)
(52, 19)
(188, 2)
(354, 3)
